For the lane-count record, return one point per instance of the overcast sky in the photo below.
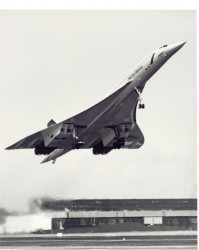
(55, 64)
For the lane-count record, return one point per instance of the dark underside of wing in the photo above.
(96, 127)
(98, 110)
(35, 139)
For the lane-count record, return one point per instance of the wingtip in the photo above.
(44, 161)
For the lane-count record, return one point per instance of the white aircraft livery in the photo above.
(110, 124)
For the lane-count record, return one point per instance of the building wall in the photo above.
(67, 223)
(171, 218)
(153, 220)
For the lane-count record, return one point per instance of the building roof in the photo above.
(118, 204)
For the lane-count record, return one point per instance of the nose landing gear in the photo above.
(141, 106)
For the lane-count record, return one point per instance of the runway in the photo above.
(99, 242)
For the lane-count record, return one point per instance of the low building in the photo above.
(133, 219)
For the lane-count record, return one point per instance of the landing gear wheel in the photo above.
(141, 106)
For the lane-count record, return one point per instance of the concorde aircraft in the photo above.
(110, 124)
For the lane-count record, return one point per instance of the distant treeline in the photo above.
(118, 204)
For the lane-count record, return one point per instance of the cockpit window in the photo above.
(163, 46)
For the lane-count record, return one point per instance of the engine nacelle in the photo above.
(42, 150)
(100, 149)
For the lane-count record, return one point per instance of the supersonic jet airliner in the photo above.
(110, 124)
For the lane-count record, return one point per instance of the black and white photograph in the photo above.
(98, 128)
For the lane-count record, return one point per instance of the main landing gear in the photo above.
(141, 105)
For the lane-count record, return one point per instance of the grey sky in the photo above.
(55, 64)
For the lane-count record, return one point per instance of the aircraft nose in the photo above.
(179, 45)
(172, 49)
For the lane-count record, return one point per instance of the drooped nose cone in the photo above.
(173, 48)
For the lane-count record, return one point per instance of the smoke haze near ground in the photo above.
(36, 217)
